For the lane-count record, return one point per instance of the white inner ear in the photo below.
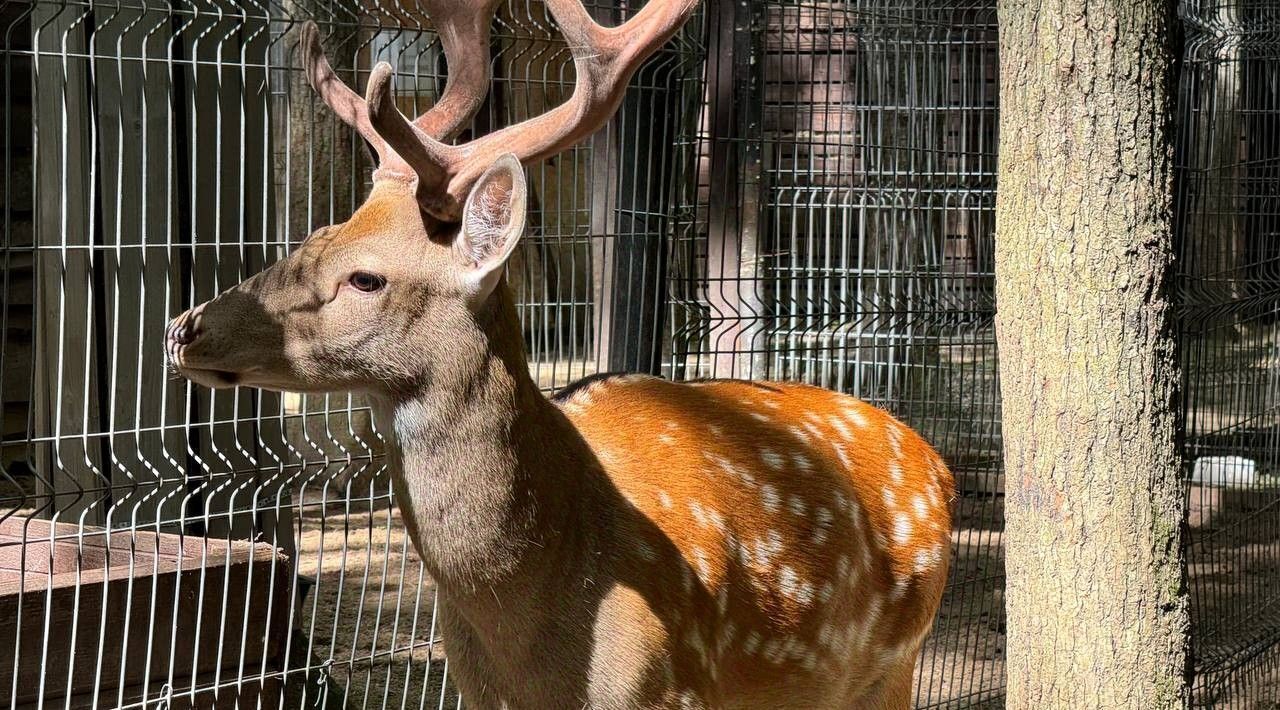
(487, 220)
(492, 221)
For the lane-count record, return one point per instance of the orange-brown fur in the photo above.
(817, 527)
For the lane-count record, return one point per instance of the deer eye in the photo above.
(367, 282)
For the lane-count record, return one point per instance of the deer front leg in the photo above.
(634, 663)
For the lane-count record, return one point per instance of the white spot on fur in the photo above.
(664, 499)
(799, 590)
(767, 548)
(895, 439)
(799, 433)
(695, 508)
(844, 456)
(859, 630)
(921, 508)
(827, 635)
(797, 506)
(705, 516)
(715, 430)
(900, 587)
(771, 404)
(773, 651)
(825, 592)
(856, 417)
(927, 560)
(772, 459)
(890, 498)
(769, 497)
(801, 461)
(901, 529)
(760, 416)
(822, 525)
(752, 643)
(881, 541)
(933, 494)
(841, 428)
(727, 634)
(726, 466)
(666, 439)
(814, 430)
(895, 472)
(704, 568)
(855, 514)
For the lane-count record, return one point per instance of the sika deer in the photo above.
(633, 542)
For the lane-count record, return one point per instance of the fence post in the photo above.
(69, 459)
(631, 167)
(733, 269)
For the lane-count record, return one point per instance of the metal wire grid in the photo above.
(834, 227)
(1229, 287)
(845, 240)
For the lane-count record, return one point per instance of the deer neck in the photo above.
(489, 475)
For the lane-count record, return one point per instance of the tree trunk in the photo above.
(1097, 600)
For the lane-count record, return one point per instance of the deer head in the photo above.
(407, 285)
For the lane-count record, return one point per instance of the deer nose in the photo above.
(182, 330)
(183, 335)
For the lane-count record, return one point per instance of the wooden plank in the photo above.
(145, 407)
(631, 198)
(223, 441)
(199, 614)
(733, 289)
(17, 227)
(67, 388)
(208, 691)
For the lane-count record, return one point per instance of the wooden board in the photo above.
(119, 609)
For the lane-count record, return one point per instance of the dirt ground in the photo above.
(370, 613)
(370, 610)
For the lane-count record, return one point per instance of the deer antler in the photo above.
(464, 36)
(605, 59)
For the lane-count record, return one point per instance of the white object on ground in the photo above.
(1224, 471)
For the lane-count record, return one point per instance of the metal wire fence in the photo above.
(1229, 233)
(794, 190)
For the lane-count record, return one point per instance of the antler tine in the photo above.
(344, 102)
(604, 59)
(412, 144)
(464, 36)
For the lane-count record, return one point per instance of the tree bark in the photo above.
(1096, 597)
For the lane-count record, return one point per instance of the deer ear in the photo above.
(492, 223)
